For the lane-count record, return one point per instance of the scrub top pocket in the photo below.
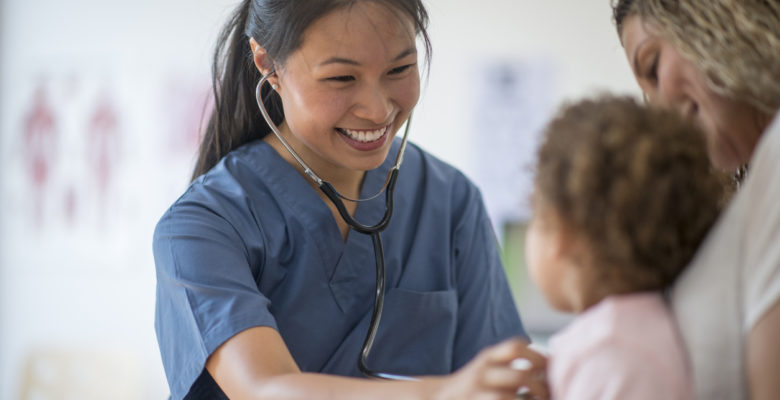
(417, 332)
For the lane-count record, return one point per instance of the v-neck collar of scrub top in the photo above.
(345, 262)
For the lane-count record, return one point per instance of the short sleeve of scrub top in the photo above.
(251, 243)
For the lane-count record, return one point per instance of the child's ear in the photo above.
(560, 239)
(570, 247)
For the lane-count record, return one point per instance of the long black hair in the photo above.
(278, 26)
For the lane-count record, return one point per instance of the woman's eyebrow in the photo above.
(411, 50)
(342, 60)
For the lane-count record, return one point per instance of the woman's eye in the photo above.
(652, 73)
(398, 70)
(342, 78)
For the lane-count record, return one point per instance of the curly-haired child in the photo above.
(624, 194)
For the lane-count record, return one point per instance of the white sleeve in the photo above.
(761, 235)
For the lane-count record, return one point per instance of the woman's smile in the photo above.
(365, 140)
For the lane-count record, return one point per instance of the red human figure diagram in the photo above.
(40, 150)
(103, 149)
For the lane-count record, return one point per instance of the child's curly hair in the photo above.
(634, 182)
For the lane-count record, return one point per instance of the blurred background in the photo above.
(101, 102)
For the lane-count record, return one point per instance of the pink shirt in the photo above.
(624, 347)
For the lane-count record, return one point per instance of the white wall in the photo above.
(576, 36)
(82, 277)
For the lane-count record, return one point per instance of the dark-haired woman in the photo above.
(263, 290)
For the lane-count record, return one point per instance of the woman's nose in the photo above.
(672, 90)
(374, 104)
(675, 99)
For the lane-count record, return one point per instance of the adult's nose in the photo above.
(374, 104)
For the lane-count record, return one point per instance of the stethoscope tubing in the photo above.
(372, 230)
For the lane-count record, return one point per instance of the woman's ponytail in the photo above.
(235, 119)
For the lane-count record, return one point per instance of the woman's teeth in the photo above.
(364, 136)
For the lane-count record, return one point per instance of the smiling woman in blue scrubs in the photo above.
(263, 291)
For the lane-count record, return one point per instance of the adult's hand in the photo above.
(493, 375)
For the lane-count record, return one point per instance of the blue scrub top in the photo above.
(250, 243)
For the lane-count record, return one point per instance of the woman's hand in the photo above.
(491, 375)
(255, 364)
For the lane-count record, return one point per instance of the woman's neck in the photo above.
(346, 181)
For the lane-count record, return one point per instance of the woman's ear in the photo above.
(263, 64)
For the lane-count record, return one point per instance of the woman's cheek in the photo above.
(712, 140)
(408, 92)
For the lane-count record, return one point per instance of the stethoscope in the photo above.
(372, 230)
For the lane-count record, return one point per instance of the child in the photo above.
(623, 196)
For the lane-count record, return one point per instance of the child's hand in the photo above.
(492, 376)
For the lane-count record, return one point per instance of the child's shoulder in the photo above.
(629, 320)
(626, 341)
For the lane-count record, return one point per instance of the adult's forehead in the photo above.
(343, 33)
(637, 30)
(348, 20)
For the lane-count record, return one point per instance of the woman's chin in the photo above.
(727, 163)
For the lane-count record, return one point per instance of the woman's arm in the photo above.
(256, 364)
(763, 356)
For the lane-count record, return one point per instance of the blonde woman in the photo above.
(718, 63)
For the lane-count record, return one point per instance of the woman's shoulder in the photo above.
(225, 190)
(436, 186)
(234, 174)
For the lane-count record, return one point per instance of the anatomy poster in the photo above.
(512, 103)
(90, 161)
(65, 154)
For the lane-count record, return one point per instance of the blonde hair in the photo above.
(735, 43)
